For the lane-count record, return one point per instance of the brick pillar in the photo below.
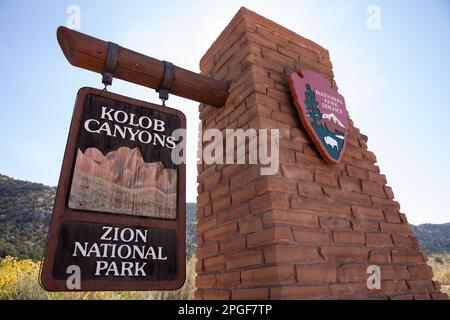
(310, 231)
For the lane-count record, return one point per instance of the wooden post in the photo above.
(90, 53)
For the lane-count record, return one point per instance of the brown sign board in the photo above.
(119, 219)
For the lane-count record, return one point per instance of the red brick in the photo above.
(221, 205)
(323, 205)
(283, 254)
(234, 213)
(216, 294)
(346, 196)
(212, 180)
(373, 188)
(277, 234)
(344, 254)
(205, 281)
(396, 228)
(389, 193)
(291, 217)
(251, 173)
(405, 241)
(420, 285)
(391, 287)
(350, 184)
(385, 203)
(250, 225)
(243, 194)
(300, 292)
(316, 274)
(366, 213)
(356, 172)
(310, 149)
(228, 279)
(360, 163)
(422, 271)
(349, 290)
(353, 151)
(439, 296)
(269, 201)
(221, 232)
(276, 184)
(378, 240)
(349, 237)
(214, 263)
(206, 224)
(219, 191)
(299, 136)
(368, 226)
(355, 272)
(207, 250)
(370, 156)
(377, 177)
(312, 235)
(244, 259)
(203, 199)
(436, 284)
(297, 172)
(402, 297)
(233, 169)
(325, 178)
(268, 275)
(207, 211)
(334, 223)
(393, 272)
(311, 190)
(250, 294)
(198, 295)
(287, 156)
(233, 245)
(285, 117)
(379, 257)
(406, 256)
(392, 217)
(199, 265)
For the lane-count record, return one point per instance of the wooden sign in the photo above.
(322, 112)
(119, 219)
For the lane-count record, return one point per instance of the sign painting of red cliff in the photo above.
(122, 182)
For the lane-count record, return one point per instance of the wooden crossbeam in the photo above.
(90, 53)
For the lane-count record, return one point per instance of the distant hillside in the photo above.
(433, 238)
(25, 210)
(24, 217)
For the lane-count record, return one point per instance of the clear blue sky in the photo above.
(396, 80)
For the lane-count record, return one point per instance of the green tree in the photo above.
(311, 105)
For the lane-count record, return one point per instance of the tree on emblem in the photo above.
(311, 105)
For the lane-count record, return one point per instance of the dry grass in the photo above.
(441, 270)
(19, 281)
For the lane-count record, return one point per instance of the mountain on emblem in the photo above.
(322, 112)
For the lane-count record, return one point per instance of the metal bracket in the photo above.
(166, 83)
(110, 64)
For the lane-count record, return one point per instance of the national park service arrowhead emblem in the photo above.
(322, 112)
